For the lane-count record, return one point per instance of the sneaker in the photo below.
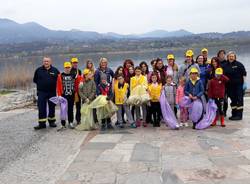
(71, 126)
(145, 124)
(186, 124)
(109, 126)
(121, 126)
(133, 125)
(181, 124)
(61, 129)
(138, 123)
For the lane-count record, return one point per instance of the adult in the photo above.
(45, 78)
(160, 70)
(204, 53)
(145, 69)
(221, 55)
(203, 70)
(103, 69)
(236, 73)
(188, 65)
(172, 68)
(78, 74)
(91, 67)
(126, 65)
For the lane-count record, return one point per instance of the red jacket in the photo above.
(216, 87)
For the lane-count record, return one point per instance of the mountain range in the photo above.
(13, 32)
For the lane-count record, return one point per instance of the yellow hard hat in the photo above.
(67, 64)
(189, 53)
(170, 56)
(193, 70)
(74, 60)
(219, 71)
(204, 50)
(86, 71)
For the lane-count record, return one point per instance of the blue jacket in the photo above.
(204, 74)
(195, 90)
(108, 72)
(46, 79)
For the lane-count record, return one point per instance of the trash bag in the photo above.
(100, 101)
(167, 112)
(104, 108)
(207, 120)
(195, 108)
(63, 106)
(87, 118)
(138, 96)
(196, 111)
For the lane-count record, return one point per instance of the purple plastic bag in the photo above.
(196, 110)
(167, 112)
(207, 120)
(63, 106)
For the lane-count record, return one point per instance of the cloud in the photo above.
(131, 16)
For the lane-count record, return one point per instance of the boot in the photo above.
(215, 120)
(109, 125)
(145, 124)
(237, 115)
(40, 126)
(52, 124)
(138, 123)
(234, 111)
(222, 121)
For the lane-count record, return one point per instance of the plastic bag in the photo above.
(138, 96)
(207, 120)
(63, 106)
(104, 108)
(87, 118)
(167, 112)
(196, 110)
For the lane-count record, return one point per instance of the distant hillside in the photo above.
(13, 32)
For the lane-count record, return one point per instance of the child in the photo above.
(154, 89)
(194, 88)
(66, 84)
(121, 94)
(104, 88)
(135, 81)
(216, 91)
(170, 91)
(179, 97)
(87, 89)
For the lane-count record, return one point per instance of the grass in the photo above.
(18, 76)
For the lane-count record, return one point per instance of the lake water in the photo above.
(115, 60)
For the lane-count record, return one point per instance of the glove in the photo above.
(87, 101)
(244, 86)
(177, 106)
(210, 100)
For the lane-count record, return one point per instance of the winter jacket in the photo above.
(170, 92)
(195, 88)
(179, 94)
(46, 79)
(216, 87)
(109, 73)
(87, 90)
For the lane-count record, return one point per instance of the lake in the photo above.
(116, 59)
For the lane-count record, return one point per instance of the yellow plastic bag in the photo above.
(100, 101)
(138, 96)
(87, 118)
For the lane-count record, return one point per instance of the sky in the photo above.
(131, 16)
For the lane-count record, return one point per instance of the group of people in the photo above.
(198, 78)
